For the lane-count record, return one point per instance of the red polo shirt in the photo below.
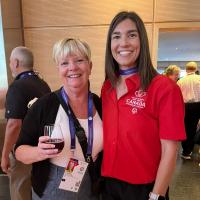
(134, 124)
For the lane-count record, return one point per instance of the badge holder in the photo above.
(73, 175)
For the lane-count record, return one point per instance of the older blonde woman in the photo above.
(73, 60)
(173, 72)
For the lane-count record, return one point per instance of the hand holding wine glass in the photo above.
(55, 136)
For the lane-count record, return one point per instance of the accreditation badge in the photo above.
(73, 175)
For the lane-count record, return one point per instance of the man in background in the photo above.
(26, 86)
(190, 88)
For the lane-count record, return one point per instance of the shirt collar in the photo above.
(133, 82)
(190, 73)
(18, 76)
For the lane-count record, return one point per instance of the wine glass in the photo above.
(56, 136)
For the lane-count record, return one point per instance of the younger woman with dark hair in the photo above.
(143, 116)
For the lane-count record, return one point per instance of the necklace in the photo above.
(129, 71)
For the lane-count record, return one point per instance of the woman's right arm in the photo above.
(30, 146)
(30, 154)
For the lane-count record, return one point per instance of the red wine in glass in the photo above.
(56, 136)
(59, 143)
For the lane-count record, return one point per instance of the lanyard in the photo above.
(26, 74)
(71, 122)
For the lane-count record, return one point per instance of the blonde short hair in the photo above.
(191, 66)
(171, 69)
(70, 46)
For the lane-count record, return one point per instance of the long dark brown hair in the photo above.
(144, 63)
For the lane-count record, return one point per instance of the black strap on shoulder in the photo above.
(79, 130)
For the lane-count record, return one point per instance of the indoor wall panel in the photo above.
(41, 13)
(177, 10)
(149, 29)
(11, 13)
(12, 39)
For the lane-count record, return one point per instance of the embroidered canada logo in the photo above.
(137, 101)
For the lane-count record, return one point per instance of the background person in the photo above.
(190, 88)
(172, 72)
(140, 123)
(26, 86)
(73, 60)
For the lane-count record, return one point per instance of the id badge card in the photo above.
(73, 175)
